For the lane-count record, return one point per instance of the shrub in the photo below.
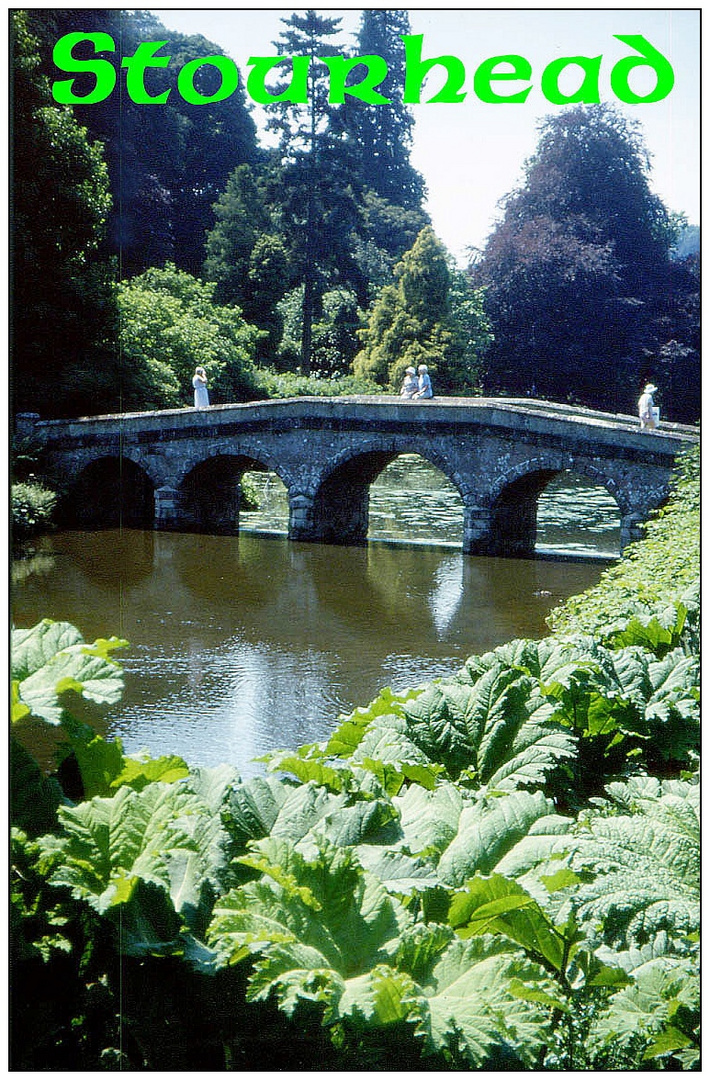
(32, 508)
(655, 574)
(287, 384)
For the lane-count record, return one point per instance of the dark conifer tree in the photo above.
(578, 275)
(383, 132)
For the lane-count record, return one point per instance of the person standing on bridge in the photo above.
(202, 397)
(425, 390)
(648, 413)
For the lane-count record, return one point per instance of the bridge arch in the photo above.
(515, 493)
(207, 495)
(337, 508)
(109, 491)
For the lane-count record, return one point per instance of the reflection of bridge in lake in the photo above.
(180, 469)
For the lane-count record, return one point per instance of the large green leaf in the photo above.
(548, 661)
(31, 649)
(498, 905)
(323, 930)
(168, 835)
(473, 998)
(497, 731)
(252, 808)
(399, 872)
(348, 735)
(206, 859)
(645, 866)
(487, 831)
(110, 844)
(104, 767)
(662, 1008)
(51, 659)
(429, 820)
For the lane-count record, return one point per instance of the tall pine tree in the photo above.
(311, 181)
(383, 131)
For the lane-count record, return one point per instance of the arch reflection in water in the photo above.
(447, 595)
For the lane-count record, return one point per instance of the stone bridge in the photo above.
(181, 469)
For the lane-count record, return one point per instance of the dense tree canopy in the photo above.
(589, 284)
(169, 323)
(167, 164)
(580, 287)
(63, 326)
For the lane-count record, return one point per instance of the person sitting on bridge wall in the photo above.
(202, 397)
(410, 386)
(425, 390)
(649, 415)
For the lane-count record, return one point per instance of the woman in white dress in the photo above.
(202, 397)
(410, 384)
(648, 413)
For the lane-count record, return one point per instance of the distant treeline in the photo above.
(146, 241)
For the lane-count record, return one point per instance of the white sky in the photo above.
(471, 154)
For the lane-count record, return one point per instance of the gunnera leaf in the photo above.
(645, 867)
(473, 1001)
(661, 1008)
(497, 732)
(110, 844)
(487, 831)
(51, 659)
(313, 922)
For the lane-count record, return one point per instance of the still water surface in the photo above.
(243, 644)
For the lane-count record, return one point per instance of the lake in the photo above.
(243, 644)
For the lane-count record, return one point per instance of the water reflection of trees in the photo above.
(241, 643)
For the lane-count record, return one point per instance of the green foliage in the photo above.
(657, 576)
(334, 332)
(584, 299)
(32, 506)
(246, 258)
(169, 325)
(51, 660)
(63, 305)
(166, 165)
(282, 384)
(498, 870)
(429, 316)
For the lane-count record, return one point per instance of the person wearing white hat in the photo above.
(410, 384)
(648, 413)
(202, 396)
